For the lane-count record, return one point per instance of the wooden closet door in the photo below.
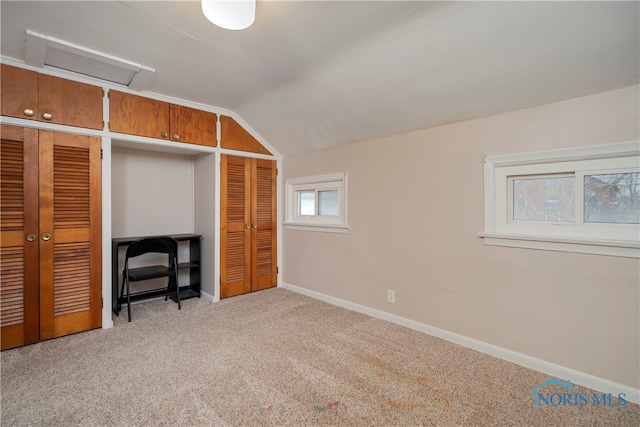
(248, 225)
(18, 218)
(263, 219)
(70, 212)
(235, 226)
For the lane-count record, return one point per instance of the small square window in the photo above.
(317, 203)
(322, 203)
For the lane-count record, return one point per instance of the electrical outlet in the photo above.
(391, 296)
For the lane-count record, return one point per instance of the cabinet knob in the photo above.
(164, 134)
(31, 237)
(255, 225)
(28, 112)
(248, 225)
(47, 116)
(176, 137)
(46, 236)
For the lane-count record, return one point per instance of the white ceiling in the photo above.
(309, 75)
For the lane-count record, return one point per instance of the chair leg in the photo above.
(129, 298)
(119, 302)
(175, 272)
(178, 292)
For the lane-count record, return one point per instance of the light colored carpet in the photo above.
(272, 358)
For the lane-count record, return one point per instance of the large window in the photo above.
(317, 203)
(578, 200)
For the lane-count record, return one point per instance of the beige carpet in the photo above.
(272, 358)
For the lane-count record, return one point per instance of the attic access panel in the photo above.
(44, 50)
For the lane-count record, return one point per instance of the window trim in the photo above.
(325, 223)
(580, 237)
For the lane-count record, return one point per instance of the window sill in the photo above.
(626, 249)
(325, 228)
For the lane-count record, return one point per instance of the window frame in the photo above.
(326, 223)
(577, 236)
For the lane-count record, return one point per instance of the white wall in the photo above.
(151, 194)
(415, 205)
(205, 209)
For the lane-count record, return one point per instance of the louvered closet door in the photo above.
(70, 212)
(18, 218)
(235, 226)
(263, 214)
(248, 225)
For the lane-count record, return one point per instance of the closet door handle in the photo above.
(46, 236)
(164, 134)
(248, 225)
(255, 225)
(28, 112)
(47, 116)
(31, 237)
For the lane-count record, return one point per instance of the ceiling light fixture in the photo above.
(230, 14)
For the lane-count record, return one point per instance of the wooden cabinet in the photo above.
(50, 219)
(30, 95)
(235, 137)
(192, 126)
(137, 115)
(248, 259)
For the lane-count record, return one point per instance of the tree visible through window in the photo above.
(612, 198)
(543, 199)
(582, 199)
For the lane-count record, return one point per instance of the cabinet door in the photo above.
(70, 234)
(19, 92)
(30, 95)
(235, 137)
(263, 220)
(69, 102)
(235, 226)
(193, 126)
(18, 218)
(137, 115)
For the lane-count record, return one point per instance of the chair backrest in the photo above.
(163, 245)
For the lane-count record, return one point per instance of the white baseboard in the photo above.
(576, 377)
(208, 297)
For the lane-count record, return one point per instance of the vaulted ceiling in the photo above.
(309, 75)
